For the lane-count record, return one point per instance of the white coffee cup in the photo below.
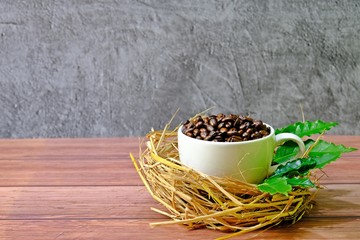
(248, 161)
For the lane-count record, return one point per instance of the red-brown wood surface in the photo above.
(89, 189)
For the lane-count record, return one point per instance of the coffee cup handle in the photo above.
(284, 137)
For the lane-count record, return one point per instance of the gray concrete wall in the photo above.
(101, 68)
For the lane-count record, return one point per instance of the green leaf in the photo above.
(284, 185)
(325, 152)
(295, 172)
(307, 128)
(275, 185)
(289, 150)
(297, 167)
(300, 182)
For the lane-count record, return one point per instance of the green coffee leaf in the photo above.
(307, 128)
(284, 185)
(275, 185)
(288, 151)
(294, 173)
(294, 168)
(300, 182)
(325, 152)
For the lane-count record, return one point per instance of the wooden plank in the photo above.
(46, 162)
(55, 149)
(134, 202)
(344, 170)
(99, 171)
(76, 202)
(57, 162)
(337, 200)
(313, 228)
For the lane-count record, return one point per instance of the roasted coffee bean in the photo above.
(237, 122)
(220, 125)
(232, 131)
(189, 134)
(242, 117)
(263, 132)
(263, 127)
(206, 120)
(203, 132)
(203, 129)
(224, 135)
(219, 117)
(249, 119)
(210, 128)
(222, 128)
(199, 123)
(245, 135)
(219, 137)
(228, 124)
(228, 118)
(196, 132)
(256, 135)
(188, 125)
(236, 138)
(188, 130)
(213, 122)
(249, 131)
(196, 119)
(242, 126)
(210, 136)
(258, 124)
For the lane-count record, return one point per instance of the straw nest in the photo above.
(201, 201)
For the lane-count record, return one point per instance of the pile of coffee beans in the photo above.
(225, 128)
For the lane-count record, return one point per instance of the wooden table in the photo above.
(88, 189)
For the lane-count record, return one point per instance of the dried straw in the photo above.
(198, 200)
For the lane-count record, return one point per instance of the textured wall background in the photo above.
(117, 68)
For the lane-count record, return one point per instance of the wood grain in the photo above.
(88, 189)
(58, 162)
(115, 229)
